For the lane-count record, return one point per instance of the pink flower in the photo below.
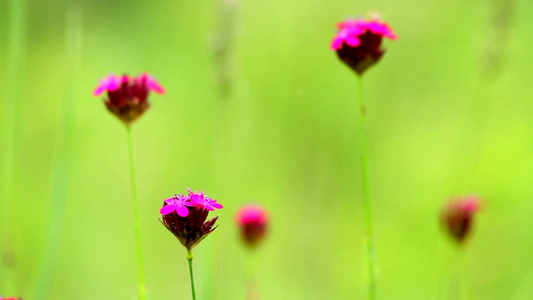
(253, 221)
(457, 217)
(178, 204)
(128, 97)
(358, 42)
(185, 217)
(200, 200)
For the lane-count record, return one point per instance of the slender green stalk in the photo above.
(14, 59)
(463, 276)
(370, 242)
(253, 291)
(442, 259)
(63, 154)
(223, 44)
(189, 258)
(136, 217)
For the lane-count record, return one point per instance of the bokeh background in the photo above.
(258, 109)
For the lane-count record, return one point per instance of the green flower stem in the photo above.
(15, 47)
(463, 276)
(370, 242)
(189, 258)
(63, 154)
(136, 217)
(252, 288)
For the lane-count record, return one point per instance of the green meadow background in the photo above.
(450, 110)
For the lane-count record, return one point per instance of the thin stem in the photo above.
(442, 258)
(189, 258)
(136, 217)
(252, 291)
(15, 47)
(62, 155)
(463, 276)
(370, 242)
(224, 40)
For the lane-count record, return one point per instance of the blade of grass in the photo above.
(63, 153)
(17, 21)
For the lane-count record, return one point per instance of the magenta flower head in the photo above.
(185, 217)
(127, 97)
(253, 223)
(358, 42)
(457, 217)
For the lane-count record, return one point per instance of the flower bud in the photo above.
(457, 217)
(252, 221)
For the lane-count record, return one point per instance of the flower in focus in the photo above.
(458, 215)
(199, 199)
(185, 217)
(358, 42)
(253, 221)
(178, 204)
(128, 96)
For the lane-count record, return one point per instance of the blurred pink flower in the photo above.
(457, 217)
(128, 97)
(253, 222)
(358, 42)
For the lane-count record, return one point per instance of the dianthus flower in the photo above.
(252, 221)
(457, 217)
(358, 42)
(185, 217)
(128, 96)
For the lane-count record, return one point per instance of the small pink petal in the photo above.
(217, 205)
(99, 90)
(336, 44)
(353, 41)
(167, 209)
(155, 86)
(110, 83)
(182, 211)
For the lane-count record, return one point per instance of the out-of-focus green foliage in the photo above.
(286, 138)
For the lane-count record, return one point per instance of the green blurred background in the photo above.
(449, 114)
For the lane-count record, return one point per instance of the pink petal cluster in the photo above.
(252, 214)
(113, 82)
(127, 97)
(186, 217)
(179, 203)
(350, 31)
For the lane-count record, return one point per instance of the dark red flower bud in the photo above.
(128, 97)
(458, 215)
(253, 221)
